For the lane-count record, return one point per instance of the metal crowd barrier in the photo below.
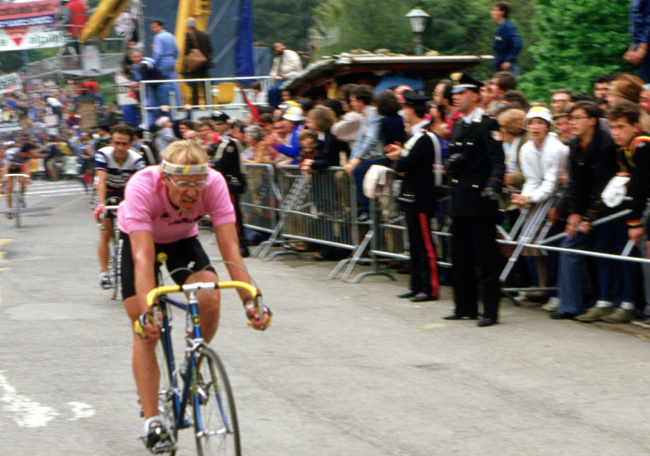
(237, 108)
(260, 203)
(321, 208)
(318, 208)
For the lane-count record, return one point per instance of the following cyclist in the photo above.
(114, 165)
(159, 214)
(14, 162)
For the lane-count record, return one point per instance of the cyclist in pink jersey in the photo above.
(159, 214)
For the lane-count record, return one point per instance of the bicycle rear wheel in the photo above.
(166, 391)
(215, 416)
(115, 268)
(18, 201)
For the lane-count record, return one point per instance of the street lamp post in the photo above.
(418, 19)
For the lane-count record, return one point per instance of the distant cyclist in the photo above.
(159, 214)
(114, 165)
(14, 162)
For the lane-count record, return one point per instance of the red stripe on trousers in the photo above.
(431, 253)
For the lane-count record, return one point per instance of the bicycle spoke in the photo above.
(215, 423)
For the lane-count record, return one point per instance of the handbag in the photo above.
(194, 60)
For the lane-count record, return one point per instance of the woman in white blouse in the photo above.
(539, 158)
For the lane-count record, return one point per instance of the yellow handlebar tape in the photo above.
(153, 294)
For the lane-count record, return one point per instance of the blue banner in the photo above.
(244, 49)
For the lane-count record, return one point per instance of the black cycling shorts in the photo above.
(113, 199)
(179, 255)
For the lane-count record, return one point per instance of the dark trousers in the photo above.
(274, 94)
(197, 87)
(424, 269)
(476, 259)
(239, 220)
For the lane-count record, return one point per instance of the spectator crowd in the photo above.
(586, 155)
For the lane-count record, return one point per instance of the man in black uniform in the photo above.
(227, 161)
(416, 162)
(475, 167)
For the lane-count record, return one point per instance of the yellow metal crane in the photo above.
(100, 22)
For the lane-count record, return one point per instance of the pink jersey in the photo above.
(146, 207)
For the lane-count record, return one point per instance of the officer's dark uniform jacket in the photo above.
(227, 161)
(483, 165)
(421, 152)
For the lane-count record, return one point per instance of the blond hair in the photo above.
(512, 121)
(185, 152)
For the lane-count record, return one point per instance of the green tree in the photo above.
(578, 41)
(285, 21)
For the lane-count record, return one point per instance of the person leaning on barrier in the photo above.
(256, 150)
(417, 162)
(592, 164)
(476, 168)
(367, 150)
(511, 124)
(540, 157)
(324, 155)
(288, 130)
(634, 160)
(347, 129)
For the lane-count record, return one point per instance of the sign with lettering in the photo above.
(30, 24)
(10, 83)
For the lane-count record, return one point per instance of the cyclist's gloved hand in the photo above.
(253, 315)
(139, 324)
(98, 210)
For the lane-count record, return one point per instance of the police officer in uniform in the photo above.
(416, 162)
(227, 160)
(475, 167)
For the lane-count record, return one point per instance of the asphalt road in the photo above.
(345, 368)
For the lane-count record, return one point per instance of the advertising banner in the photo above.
(10, 83)
(30, 25)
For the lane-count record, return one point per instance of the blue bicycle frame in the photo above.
(180, 403)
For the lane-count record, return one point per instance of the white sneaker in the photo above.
(105, 282)
(552, 304)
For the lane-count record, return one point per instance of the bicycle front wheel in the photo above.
(215, 417)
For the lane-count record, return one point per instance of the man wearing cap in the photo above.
(420, 164)
(475, 166)
(292, 118)
(227, 160)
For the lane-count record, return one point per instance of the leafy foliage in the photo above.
(286, 21)
(578, 41)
